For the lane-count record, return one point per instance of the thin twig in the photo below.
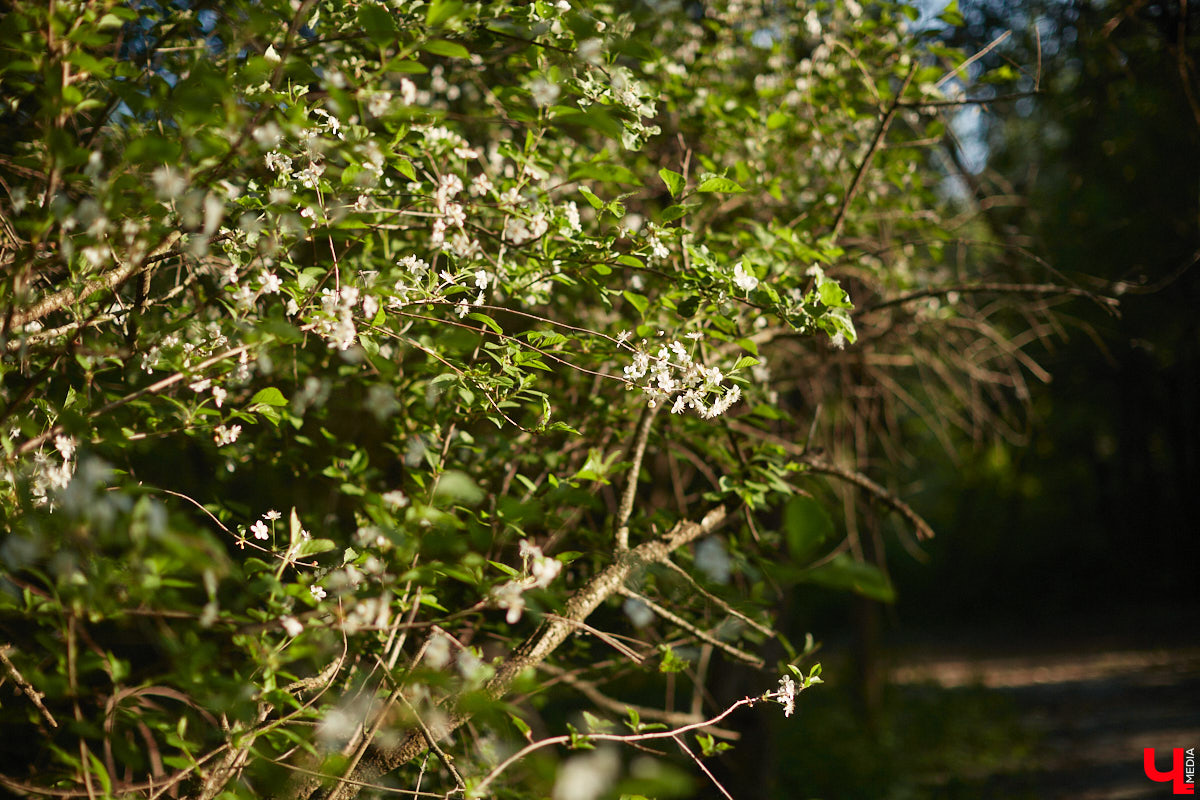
(552, 632)
(26, 687)
(637, 452)
(608, 737)
(990, 46)
(703, 768)
(728, 609)
(814, 464)
(588, 690)
(433, 745)
(880, 132)
(678, 621)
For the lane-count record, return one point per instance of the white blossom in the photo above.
(481, 185)
(65, 445)
(743, 279)
(271, 284)
(408, 91)
(379, 104)
(510, 596)
(223, 435)
(278, 162)
(786, 696)
(395, 499)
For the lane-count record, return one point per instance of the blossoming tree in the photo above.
(383, 383)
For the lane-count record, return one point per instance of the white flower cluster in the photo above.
(786, 695)
(226, 435)
(674, 373)
(338, 324)
(47, 475)
(539, 571)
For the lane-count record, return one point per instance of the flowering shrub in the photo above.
(336, 338)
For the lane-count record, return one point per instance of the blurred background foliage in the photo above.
(1082, 529)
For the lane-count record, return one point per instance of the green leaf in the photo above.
(777, 120)
(833, 295)
(521, 725)
(638, 301)
(441, 47)
(596, 118)
(605, 173)
(597, 724)
(806, 526)
(442, 11)
(844, 573)
(671, 662)
(269, 397)
(719, 184)
(687, 307)
(672, 213)
(405, 168)
(748, 344)
(593, 201)
(486, 320)
(505, 568)
(377, 23)
(745, 361)
(674, 181)
(457, 487)
(295, 530)
(310, 547)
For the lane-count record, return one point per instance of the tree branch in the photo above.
(637, 453)
(109, 280)
(541, 643)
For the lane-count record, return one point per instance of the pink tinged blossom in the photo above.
(260, 530)
(481, 185)
(786, 696)
(271, 284)
(65, 445)
(226, 435)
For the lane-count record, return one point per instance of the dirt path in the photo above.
(1091, 713)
